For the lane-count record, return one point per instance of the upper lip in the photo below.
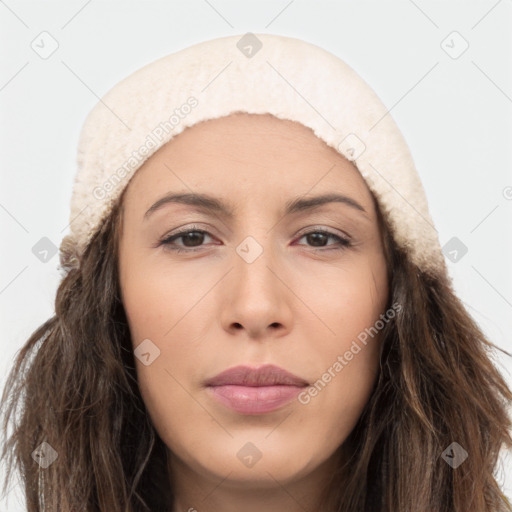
(267, 375)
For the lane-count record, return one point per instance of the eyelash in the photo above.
(343, 242)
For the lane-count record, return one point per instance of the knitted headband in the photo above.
(254, 73)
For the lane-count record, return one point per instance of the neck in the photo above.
(204, 492)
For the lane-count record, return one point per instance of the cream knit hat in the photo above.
(254, 73)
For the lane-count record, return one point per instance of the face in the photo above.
(256, 275)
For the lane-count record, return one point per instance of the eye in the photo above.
(189, 235)
(193, 239)
(319, 236)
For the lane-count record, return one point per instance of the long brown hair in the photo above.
(75, 382)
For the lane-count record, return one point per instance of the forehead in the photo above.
(248, 134)
(245, 155)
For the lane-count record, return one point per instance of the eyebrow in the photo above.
(211, 204)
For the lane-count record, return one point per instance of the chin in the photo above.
(261, 463)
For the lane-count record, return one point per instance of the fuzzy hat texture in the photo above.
(254, 73)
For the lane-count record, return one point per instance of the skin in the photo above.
(299, 305)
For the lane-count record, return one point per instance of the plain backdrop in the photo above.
(443, 69)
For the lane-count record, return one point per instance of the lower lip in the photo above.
(254, 400)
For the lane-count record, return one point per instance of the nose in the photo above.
(258, 297)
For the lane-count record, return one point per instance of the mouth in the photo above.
(249, 390)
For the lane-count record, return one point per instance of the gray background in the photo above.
(453, 108)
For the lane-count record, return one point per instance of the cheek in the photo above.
(158, 314)
(345, 357)
(147, 310)
(162, 319)
(346, 371)
(154, 298)
(348, 302)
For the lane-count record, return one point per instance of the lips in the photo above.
(249, 390)
(268, 375)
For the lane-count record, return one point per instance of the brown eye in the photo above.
(319, 238)
(192, 240)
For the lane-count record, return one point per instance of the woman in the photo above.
(211, 350)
